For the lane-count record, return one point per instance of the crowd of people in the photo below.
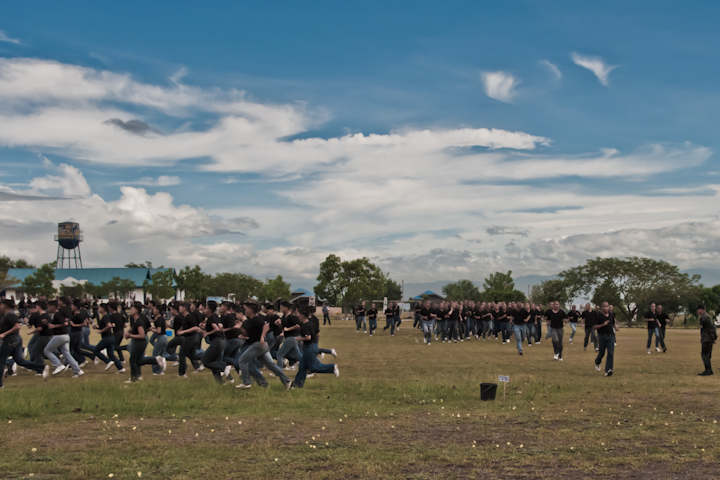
(221, 337)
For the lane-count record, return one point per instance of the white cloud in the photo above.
(161, 181)
(499, 85)
(5, 38)
(595, 65)
(553, 68)
(70, 182)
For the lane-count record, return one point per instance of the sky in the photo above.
(442, 140)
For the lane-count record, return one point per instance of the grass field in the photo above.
(400, 409)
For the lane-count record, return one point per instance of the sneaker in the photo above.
(122, 370)
(128, 381)
(175, 364)
(648, 351)
(46, 372)
(608, 373)
(333, 352)
(597, 367)
(96, 360)
(59, 369)
(25, 352)
(108, 365)
(79, 374)
(310, 375)
(537, 343)
(244, 385)
(597, 349)
(67, 367)
(13, 370)
(584, 349)
(84, 363)
(183, 376)
(664, 349)
(560, 359)
(371, 334)
(288, 386)
(161, 373)
(322, 356)
(161, 362)
(428, 344)
(657, 349)
(424, 340)
(200, 369)
(556, 356)
(286, 362)
(227, 371)
(571, 340)
(337, 372)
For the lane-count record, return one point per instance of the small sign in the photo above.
(503, 378)
(311, 301)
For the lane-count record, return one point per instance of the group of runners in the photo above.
(244, 337)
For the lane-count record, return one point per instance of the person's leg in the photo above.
(556, 341)
(209, 358)
(31, 345)
(86, 338)
(64, 348)
(392, 325)
(538, 332)
(50, 348)
(153, 339)
(609, 363)
(549, 332)
(230, 354)
(80, 349)
(187, 350)
(137, 352)
(364, 324)
(601, 352)
(107, 344)
(594, 339)
(159, 349)
(560, 334)
(75, 338)
(17, 355)
(36, 354)
(299, 381)
(573, 327)
(706, 354)
(246, 362)
(266, 359)
(119, 347)
(530, 333)
(285, 347)
(518, 337)
(659, 338)
(588, 331)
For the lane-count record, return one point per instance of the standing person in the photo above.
(360, 318)
(139, 326)
(212, 358)
(255, 328)
(588, 317)
(107, 340)
(60, 341)
(326, 315)
(556, 318)
(159, 330)
(12, 342)
(662, 319)
(708, 336)
(573, 316)
(605, 326)
(310, 363)
(372, 318)
(190, 332)
(653, 329)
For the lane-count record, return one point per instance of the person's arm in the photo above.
(290, 329)
(266, 328)
(76, 325)
(138, 336)
(14, 329)
(215, 329)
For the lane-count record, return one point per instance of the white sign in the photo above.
(384, 303)
(311, 301)
(503, 378)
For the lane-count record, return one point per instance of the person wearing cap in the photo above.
(708, 336)
(12, 342)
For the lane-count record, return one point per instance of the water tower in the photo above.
(69, 239)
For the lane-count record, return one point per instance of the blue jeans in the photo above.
(289, 348)
(453, 330)
(86, 338)
(159, 348)
(606, 342)
(310, 363)
(108, 344)
(504, 331)
(250, 354)
(427, 326)
(232, 352)
(573, 326)
(76, 348)
(31, 345)
(12, 347)
(520, 333)
(530, 332)
(61, 343)
(373, 324)
(361, 321)
(655, 331)
(390, 323)
(442, 326)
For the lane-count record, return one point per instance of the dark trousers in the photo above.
(212, 358)
(76, 348)
(707, 348)
(590, 334)
(119, 348)
(443, 329)
(12, 347)
(658, 338)
(108, 344)
(538, 332)
(607, 342)
(188, 349)
(232, 351)
(504, 330)
(310, 363)
(453, 330)
(36, 354)
(326, 318)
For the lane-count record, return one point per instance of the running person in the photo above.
(12, 342)
(606, 328)
(310, 363)
(573, 316)
(556, 318)
(107, 340)
(588, 316)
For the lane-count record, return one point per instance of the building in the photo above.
(428, 295)
(96, 276)
(301, 298)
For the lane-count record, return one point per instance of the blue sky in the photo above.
(604, 117)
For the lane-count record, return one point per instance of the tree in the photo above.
(147, 264)
(7, 263)
(393, 290)
(39, 284)
(76, 290)
(161, 286)
(238, 284)
(328, 286)
(500, 287)
(275, 289)
(550, 290)
(193, 282)
(606, 292)
(461, 290)
(637, 281)
(118, 287)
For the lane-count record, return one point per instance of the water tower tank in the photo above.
(69, 238)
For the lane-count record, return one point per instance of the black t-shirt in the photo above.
(254, 327)
(425, 313)
(228, 321)
(521, 317)
(662, 318)
(43, 321)
(511, 312)
(373, 313)
(119, 321)
(189, 321)
(141, 321)
(652, 323)
(314, 320)
(102, 323)
(213, 319)
(8, 322)
(63, 314)
(177, 322)
(556, 319)
(454, 316)
(308, 328)
(600, 319)
(360, 311)
(160, 323)
(499, 315)
(573, 315)
(277, 330)
(588, 317)
(289, 321)
(77, 319)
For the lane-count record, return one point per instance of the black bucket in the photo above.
(488, 391)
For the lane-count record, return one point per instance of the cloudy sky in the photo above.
(443, 140)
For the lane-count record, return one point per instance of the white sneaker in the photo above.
(310, 375)
(597, 349)
(59, 369)
(243, 385)
(657, 349)
(322, 355)
(556, 356)
(537, 343)
(96, 361)
(162, 362)
(175, 364)
(200, 369)
(46, 372)
(84, 363)
(122, 370)
(288, 386)
(648, 351)
(25, 351)
(183, 376)
(79, 374)
(424, 340)
(608, 373)
(108, 365)
(560, 359)
(227, 371)
(161, 373)
(13, 370)
(337, 372)
(597, 367)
